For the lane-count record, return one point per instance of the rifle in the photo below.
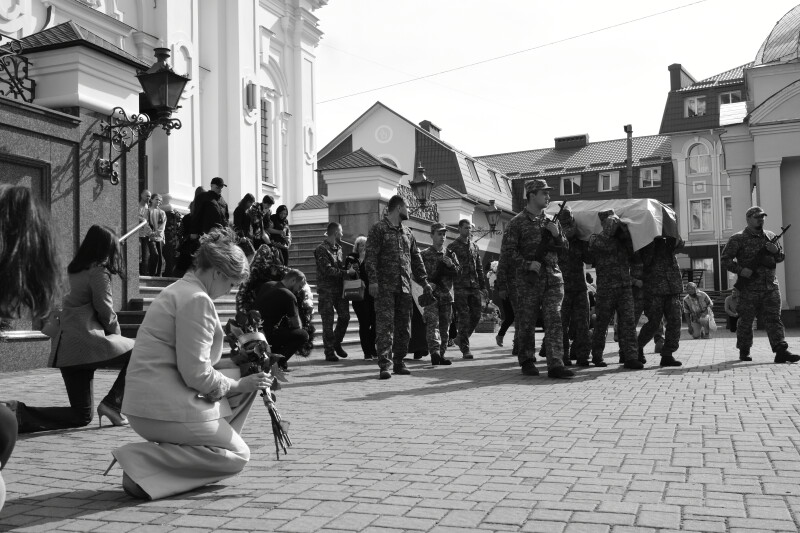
(758, 260)
(544, 246)
(436, 276)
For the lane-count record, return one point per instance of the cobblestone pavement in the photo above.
(711, 446)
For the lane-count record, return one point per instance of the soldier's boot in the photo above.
(642, 359)
(384, 374)
(330, 356)
(437, 360)
(467, 355)
(668, 360)
(583, 362)
(783, 355)
(597, 360)
(560, 373)
(529, 368)
(744, 354)
(419, 354)
(633, 364)
(400, 368)
(499, 340)
(339, 351)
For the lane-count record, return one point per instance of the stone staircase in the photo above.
(150, 287)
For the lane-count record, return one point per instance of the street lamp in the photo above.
(162, 91)
(421, 186)
(493, 218)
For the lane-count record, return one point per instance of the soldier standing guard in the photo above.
(540, 282)
(752, 255)
(663, 285)
(575, 306)
(392, 257)
(439, 314)
(612, 252)
(470, 290)
(331, 272)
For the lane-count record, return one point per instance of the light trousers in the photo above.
(182, 456)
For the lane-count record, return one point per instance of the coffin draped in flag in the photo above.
(646, 218)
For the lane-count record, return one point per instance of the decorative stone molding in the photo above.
(109, 28)
(372, 183)
(310, 216)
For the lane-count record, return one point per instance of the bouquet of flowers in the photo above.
(250, 351)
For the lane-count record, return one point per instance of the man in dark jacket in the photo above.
(212, 211)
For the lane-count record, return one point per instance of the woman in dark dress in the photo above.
(279, 232)
(365, 309)
(242, 223)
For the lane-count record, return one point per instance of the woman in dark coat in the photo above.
(365, 309)
(87, 338)
(279, 232)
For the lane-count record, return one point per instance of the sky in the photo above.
(591, 84)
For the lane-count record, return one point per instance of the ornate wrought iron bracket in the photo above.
(429, 211)
(122, 133)
(14, 80)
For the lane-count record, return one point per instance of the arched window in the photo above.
(390, 161)
(698, 161)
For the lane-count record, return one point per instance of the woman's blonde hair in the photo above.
(361, 242)
(218, 250)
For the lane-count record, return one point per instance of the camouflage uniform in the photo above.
(575, 306)
(267, 265)
(392, 258)
(331, 272)
(663, 285)
(506, 281)
(468, 286)
(439, 314)
(612, 259)
(520, 241)
(762, 295)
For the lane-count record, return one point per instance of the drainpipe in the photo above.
(629, 170)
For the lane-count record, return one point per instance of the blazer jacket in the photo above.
(171, 374)
(88, 329)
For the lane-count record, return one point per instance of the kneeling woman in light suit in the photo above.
(176, 398)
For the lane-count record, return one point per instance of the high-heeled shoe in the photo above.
(115, 417)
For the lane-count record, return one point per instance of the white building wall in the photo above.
(222, 45)
(385, 134)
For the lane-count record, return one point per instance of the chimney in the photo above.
(678, 77)
(573, 141)
(431, 128)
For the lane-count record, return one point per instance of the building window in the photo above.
(570, 185)
(728, 218)
(701, 216)
(699, 187)
(494, 180)
(698, 161)
(473, 172)
(732, 97)
(508, 186)
(608, 181)
(694, 106)
(265, 141)
(649, 178)
(389, 161)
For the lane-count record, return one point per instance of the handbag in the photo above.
(52, 324)
(353, 290)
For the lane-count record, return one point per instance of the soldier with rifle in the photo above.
(752, 255)
(521, 249)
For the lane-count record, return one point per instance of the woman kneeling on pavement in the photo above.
(178, 396)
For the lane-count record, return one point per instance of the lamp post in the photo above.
(421, 188)
(493, 218)
(162, 91)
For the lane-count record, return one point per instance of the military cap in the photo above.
(536, 185)
(754, 211)
(437, 226)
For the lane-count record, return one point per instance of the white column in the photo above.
(769, 194)
(681, 206)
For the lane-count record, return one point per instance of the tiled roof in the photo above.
(358, 159)
(782, 42)
(595, 156)
(446, 192)
(316, 201)
(71, 34)
(729, 77)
